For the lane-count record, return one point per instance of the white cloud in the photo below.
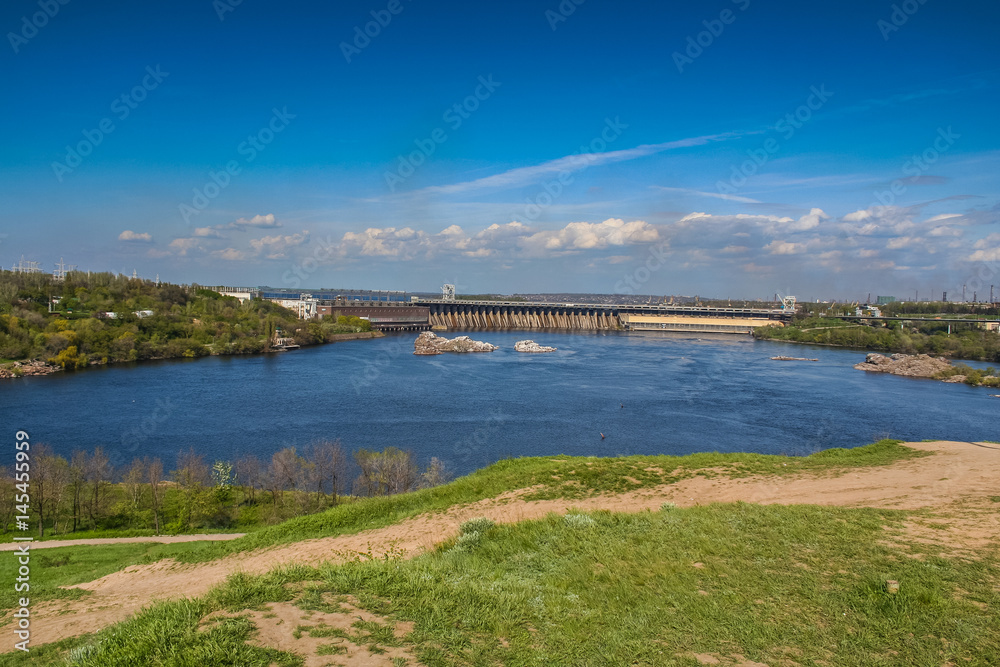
(230, 254)
(944, 230)
(589, 236)
(857, 216)
(182, 245)
(714, 195)
(809, 221)
(207, 233)
(784, 248)
(274, 247)
(135, 237)
(570, 164)
(990, 255)
(943, 216)
(902, 242)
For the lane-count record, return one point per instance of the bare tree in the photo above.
(132, 481)
(436, 474)
(286, 473)
(385, 473)
(248, 476)
(154, 475)
(48, 480)
(98, 473)
(77, 485)
(328, 462)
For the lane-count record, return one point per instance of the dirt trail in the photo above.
(165, 539)
(959, 480)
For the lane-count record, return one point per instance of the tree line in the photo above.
(965, 341)
(104, 318)
(86, 492)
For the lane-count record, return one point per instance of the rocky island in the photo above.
(532, 347)
(429, 343)
(926, 366)
(25, 368)
(908, 365)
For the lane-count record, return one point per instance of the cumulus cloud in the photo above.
(229, 254)
(590, 236)
(784, 248)
(207, 233)
(275, 247)
(183, 245)
(135, 237)
(512, 238)
(809, 221)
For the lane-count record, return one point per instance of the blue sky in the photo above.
(732, 148)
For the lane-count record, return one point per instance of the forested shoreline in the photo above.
(103, 318)
(87, 493)
(965, 341)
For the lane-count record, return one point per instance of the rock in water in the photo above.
(531, 346)
(428, 343)
(909, 365)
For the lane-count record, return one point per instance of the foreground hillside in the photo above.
(710, 559)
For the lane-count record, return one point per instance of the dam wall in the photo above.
(525, 317)
(586, 317)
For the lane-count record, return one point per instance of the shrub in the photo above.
(478, 525)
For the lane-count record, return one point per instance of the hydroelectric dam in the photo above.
(464, 314)
(396, 311)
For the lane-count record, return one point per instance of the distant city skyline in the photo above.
(734, 149)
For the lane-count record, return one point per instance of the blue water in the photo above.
(681, 394)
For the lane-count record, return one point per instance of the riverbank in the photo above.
(37, 367)
(969, 345)
(811, 550)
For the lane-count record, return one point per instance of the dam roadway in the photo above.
(462, 314)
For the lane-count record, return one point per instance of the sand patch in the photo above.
(351, 637)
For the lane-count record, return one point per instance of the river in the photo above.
(681, 394)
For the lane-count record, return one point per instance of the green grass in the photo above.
(65, 566)
(555, 477)
(129, 532)
(801, 583)
(552, 477)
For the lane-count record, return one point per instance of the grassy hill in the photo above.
(732, 583)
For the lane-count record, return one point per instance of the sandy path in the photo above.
(165, 539)
(960, 475)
